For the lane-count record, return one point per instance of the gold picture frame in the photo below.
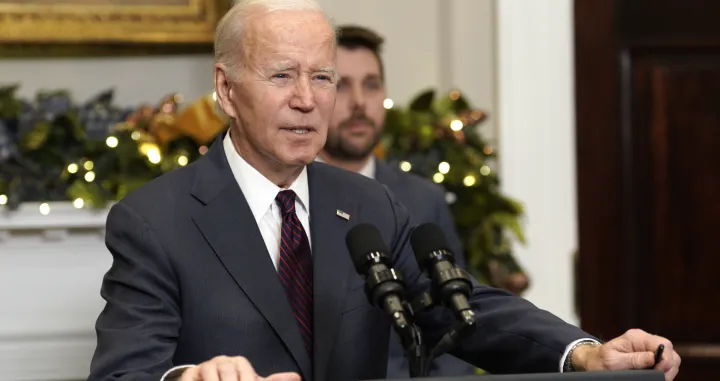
(31, 27)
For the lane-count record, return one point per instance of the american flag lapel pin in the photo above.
(342, 215)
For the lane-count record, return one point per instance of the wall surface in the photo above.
(135, 79)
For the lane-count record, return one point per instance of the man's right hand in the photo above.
(223, 368)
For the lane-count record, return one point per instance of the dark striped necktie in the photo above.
(295, 267)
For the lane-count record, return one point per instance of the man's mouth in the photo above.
(358, 125)
(299, 130)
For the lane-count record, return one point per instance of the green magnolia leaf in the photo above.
(8, 91)
(446, 106)
(36, 137)
(516, 206)
(404, 144)
(423, 102)
(76, 128)
(45, 94)
(512, 223)
(104, 98)
(387, 140)
(419, 119)
(396, 121)
(426, 136)
(460, 104)
(9, 104)
(443, 107)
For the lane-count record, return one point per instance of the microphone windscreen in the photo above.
(425, 239)
(362, 240)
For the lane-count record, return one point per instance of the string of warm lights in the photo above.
(443, 169)
(150, 150)
(166, 136)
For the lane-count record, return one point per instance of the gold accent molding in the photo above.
(30, 24)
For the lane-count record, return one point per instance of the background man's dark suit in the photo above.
(426, 203)
(191, 279)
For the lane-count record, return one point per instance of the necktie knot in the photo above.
(286, 201)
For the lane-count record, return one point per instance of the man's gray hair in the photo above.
(229, 31)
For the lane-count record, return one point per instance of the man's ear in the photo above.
(224, 90)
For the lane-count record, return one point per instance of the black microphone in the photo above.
(384, 286)
(451, 285)
(385, 289)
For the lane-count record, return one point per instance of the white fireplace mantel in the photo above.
(51, 268)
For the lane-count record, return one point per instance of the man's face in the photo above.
(286, 93)
(359, 115)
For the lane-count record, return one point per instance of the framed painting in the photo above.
(107, 26)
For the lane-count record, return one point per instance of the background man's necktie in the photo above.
(295, 267)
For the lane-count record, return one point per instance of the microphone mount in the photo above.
(385, 287)
(451, 288)
(449, 284)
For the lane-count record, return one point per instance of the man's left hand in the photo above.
(633, 350)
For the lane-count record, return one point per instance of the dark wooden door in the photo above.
(648, 166)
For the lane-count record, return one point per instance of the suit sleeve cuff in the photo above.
(175, 373)
(572, 346)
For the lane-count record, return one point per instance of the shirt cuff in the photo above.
(174, 373)
(572, 346)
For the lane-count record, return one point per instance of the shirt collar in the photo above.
(368, 170)
(258, 190)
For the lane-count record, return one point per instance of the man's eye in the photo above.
(373, 85)
(281, 76)
(324, 78)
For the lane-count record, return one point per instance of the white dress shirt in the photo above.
(260, 195)
(368, 170)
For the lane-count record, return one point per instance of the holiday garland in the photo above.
(52, 149)
(94, 153)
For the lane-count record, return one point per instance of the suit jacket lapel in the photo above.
(229, 227)
(331, 264)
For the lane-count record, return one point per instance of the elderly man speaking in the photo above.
(235, 267)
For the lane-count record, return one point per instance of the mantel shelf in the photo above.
(62, 215)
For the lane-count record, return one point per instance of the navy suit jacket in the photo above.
(191, 279)
(426, 203)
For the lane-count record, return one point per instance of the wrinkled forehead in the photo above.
(303, 32)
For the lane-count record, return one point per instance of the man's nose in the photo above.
(304, 98)
(358, 98)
